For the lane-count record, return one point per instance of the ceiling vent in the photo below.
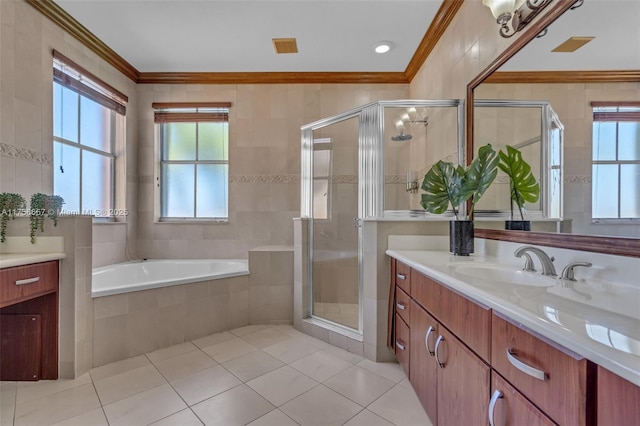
(285, 45)
(572, 44)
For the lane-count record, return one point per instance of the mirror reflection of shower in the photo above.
(410, 116)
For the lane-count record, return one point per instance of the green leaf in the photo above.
(444, 184)
(481, 173)
(524, 187)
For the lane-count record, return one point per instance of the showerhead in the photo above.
(401, 137)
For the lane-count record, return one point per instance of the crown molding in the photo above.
(439, 25)
(65, 21)
(613, 76)
(441, 21)
(272, 77)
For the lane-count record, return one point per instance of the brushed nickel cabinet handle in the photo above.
(438, 342)
(400, 345)
(426, 339)
(492, 405)
(27, 281)
(527, 369)
(400, 306)
(401, 277)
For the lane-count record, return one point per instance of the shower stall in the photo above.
(361, 165)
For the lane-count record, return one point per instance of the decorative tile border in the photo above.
(21, 153)
(577, 179)
(264, 179)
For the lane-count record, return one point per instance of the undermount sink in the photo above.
(502, 274)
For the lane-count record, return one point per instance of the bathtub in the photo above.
(156, 273)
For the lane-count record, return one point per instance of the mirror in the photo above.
(606, 68)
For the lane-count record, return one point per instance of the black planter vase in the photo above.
(517, 225)
(461, 237)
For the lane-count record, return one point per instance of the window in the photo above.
(321, 178)
(88, 118)
(194, 160)
(616, 161)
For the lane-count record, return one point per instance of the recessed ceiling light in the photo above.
(383, 47)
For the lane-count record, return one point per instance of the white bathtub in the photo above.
(155, 273)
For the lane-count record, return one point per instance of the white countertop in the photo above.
(8, 260)
(597, 320)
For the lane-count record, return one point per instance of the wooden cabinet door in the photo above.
(463, 383)
(424, 370)
(20, 346)
(618, 400)
(510, 408)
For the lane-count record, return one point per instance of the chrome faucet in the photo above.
(567, 272)
(545, 260)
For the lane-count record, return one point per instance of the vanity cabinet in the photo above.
(29, 321)
(554, 379)
(510, 407)
(445, 373)
(618, 400)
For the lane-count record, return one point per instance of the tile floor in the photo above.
(254, 375)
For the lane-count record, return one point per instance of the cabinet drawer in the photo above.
(22, 282)
(425, 291)
(403, 305)
(402, 343)
(403, 276)
(511, 408)
(553, 379)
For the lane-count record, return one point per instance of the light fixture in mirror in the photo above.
(518, 13)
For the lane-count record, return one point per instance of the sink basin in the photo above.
(502, 274)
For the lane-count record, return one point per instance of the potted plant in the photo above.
(43, 205)
(10, 204)
(522, 184)
(445, 184)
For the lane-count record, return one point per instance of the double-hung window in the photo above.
(616, 161)
(88, 120)
(194, 160)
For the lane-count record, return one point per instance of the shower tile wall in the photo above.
(264, 163)
(572, 103)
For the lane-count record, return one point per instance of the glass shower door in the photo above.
(335, 225)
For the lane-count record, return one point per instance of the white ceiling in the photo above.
(235, 36)
(332, 35)
(615, 24)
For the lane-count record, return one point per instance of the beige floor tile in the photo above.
(171, 351)
(28, 391)
(288, 329)
(359, 385)
(181, 418)
(123, 385)
(320, 366)
(291, 349)
(92, 418)
(213, 339)
(230, 349)
(205, 384)
(367, 418)
(266, 337)
(388, 370)
(58, 406)
(248, 329)
(252, 365)
(406, 383)
(341, 353)
(282, 385)
(119, 367)
(321, 406)
(8, 391)
(144, 408)
(274, 418)
(237, 406)
(180, 366)
(401, 407)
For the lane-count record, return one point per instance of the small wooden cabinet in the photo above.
(29, 322)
